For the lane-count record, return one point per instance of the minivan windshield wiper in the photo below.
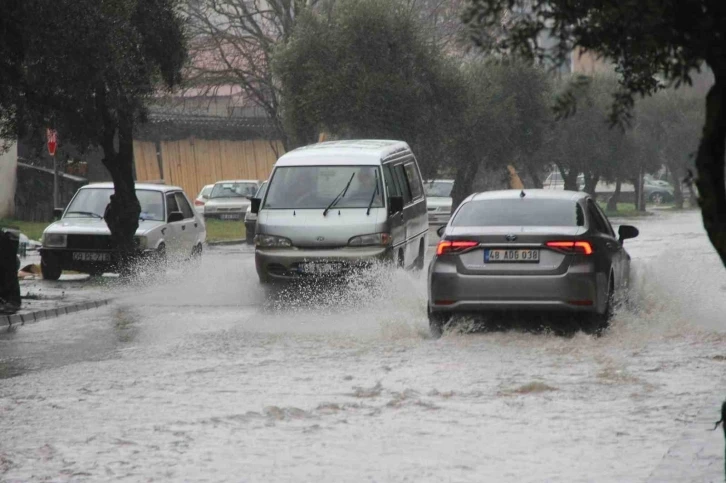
(373, 196)
(89, 213)
(340, 195)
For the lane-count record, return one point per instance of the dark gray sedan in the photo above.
(541, 250)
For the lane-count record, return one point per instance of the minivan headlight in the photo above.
(55, 240)
(272, 241)
(374, 239)
(141, 242)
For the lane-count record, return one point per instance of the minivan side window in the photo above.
(183, 204)
(391, 186)
(414, 180)
(403, 183)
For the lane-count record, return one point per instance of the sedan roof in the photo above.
(139, 186)
(531, 194)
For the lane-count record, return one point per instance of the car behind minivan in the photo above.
(333, 207)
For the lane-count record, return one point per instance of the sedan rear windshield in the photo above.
(520, 212)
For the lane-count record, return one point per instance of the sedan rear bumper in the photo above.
(569, 292)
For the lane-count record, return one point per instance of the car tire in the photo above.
(438, 322)
(597, 323)
(50, 268)
(160, 256)
(264, 279)
(421, 259)
(657, 198)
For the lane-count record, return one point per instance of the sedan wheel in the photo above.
(438, 321)
(50, 267)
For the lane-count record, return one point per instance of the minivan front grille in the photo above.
(89, 242)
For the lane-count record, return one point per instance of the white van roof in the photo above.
(354, 152)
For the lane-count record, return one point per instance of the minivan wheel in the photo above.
(401, 260)
(421, 259)
(50, 267)
(437, 322)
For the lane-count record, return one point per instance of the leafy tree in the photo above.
(667, 126)
(366, 70)
(651, 42)
(502, 121)
(88, 68)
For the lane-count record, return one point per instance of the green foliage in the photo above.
(365, 70)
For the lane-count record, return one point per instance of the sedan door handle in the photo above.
(184, 227)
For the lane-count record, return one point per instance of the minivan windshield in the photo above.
(311, 187)
(92, 202)
(438, 189)
(234, 190)
(520, 212)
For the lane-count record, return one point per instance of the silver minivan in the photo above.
(337, 206)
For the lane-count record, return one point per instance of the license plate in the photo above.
(511, 255)
(92, 256)
(319, 268)
(230, 217)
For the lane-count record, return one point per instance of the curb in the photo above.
(38, 315)
(238, 241)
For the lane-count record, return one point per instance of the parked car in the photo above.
(528, 250)
(658, 192)
(202, 198)
(336, 206)
(230, 199)
(251, 218)
(438, 200)
(81, 241)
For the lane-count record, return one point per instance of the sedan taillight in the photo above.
(579, 247)
(449, 246)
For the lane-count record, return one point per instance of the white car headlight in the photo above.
(55, 240)
(380, 239)
(271, 241)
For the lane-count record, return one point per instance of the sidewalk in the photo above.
(698, 456)
(43, 299)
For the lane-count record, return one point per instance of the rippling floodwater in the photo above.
(208, 377)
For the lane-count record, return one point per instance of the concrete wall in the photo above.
(8, 170)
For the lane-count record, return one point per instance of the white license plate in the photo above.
(319, 268)
(520, 255)
(230, 217)
(92, 256)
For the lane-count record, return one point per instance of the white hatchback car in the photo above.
(230, 199)
(202, 198)
(168, 228)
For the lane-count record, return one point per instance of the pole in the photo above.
(641, 205)
(56, 194)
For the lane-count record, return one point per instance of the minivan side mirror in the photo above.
(255, 205)
(175, 216)
(440, 231)
(58, 213)
(395, 204)
(626, 231)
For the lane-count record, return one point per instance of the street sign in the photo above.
(52, 136)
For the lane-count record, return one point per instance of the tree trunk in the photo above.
(711, 180)
(534, 176)
(591, 183)
(570, 180)
(463, 183)
(615, 198)
(677, 189)
(122, 215)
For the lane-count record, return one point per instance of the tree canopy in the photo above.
(88, 68)
(652, 44)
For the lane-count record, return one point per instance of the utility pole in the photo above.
(52, 136)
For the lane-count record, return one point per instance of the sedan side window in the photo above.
(605, 220)
(183, 204)
(595, 219)
(171, 205)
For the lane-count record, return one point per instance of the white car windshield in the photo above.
(318, 186)
(233, 190)
(438, 189)
(92, 203)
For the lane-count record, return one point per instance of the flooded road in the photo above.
(205, 376)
